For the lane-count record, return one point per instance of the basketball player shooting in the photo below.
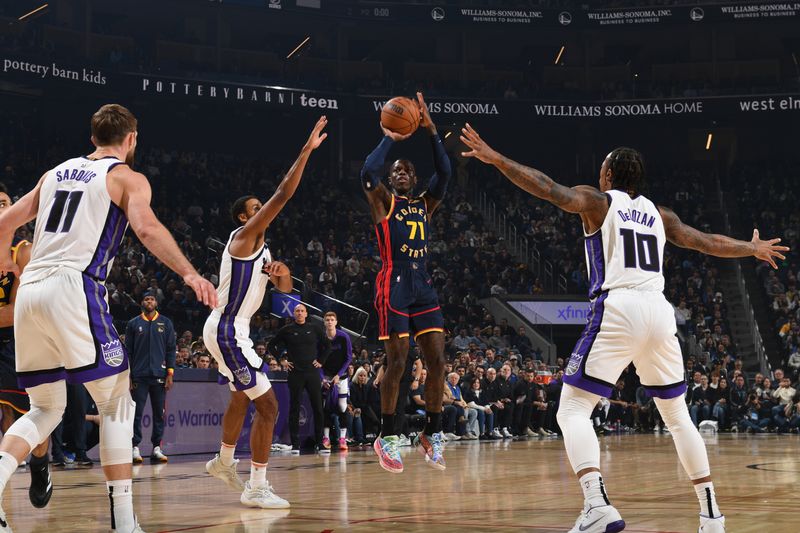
(404, 296)
(247, 266)
(62, 324)
(630, 320)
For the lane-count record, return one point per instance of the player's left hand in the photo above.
(425, 120)
(316, 137)
(168, 382)
(478, 147)
(768, 250)
(275, 268)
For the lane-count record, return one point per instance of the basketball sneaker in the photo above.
(227, 474)
(432, 448)
(603, 519)
(137, 457)
(41, 488)
(262, 497)
(712, 525)
(343, 444)
(158, 456)
(388, 453)
(326, 443)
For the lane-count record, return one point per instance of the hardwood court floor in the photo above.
(490, 486)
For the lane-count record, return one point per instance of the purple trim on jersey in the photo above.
(666, 392)
(108, 245)
(596, 263)
(40, 377)
(232, 355)
(340, 347)
(575, 374)
(111, 358)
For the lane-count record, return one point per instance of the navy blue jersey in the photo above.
(403, 234)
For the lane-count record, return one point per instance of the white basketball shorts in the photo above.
(627, 326)
(227, 339)
(63, 330)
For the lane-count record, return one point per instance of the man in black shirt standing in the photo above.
(307, 347)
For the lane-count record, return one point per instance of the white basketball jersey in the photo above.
(241, 283)
(627, 251)
(77, 225)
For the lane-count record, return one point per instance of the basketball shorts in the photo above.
(64, 330)
(627, 326)
(10, 392)
(406, 301)
(227, 339)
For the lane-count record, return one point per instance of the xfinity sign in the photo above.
(549, 312)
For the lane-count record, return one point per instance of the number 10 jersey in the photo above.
(627, 251)
(77, 225)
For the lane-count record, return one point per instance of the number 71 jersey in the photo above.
(77, 224)
(403, 234)
(627, 252)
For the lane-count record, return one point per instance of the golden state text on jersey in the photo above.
(403, 233)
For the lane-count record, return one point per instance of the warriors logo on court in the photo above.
(113, 354)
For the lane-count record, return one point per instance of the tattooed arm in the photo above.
(685, 236)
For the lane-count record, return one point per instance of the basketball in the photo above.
(400, 115)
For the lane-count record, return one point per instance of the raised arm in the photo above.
(372, 175)
(685, 236)
(587, 201)
(134, 195)
(438, 183)
(254, 230)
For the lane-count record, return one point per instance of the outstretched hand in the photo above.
(203, 288)
(768, 250)
(478, 147)
(316, 137)
(425, 120)
(275, 268)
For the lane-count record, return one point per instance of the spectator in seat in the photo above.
(477, 399)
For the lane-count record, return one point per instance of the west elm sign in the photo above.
(549, 312)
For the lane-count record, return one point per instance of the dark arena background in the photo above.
(226, 93)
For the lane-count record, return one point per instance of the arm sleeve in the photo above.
(324, 346)
(348, 355)
(438, 184)
(170, 347)
(372, 171)
(130, 334)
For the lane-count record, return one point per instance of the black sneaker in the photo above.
(83, 460)
(41, 485)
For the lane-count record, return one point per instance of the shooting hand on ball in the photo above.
(425, 120)
(396, 137)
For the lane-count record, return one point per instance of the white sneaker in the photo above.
(530, 433)
(137, 457)
(158, 455)
(451, 436)
(262, 497)
(711, 525)
(496, 433)
(4, 527)
(506, 434)
(604, 519)
(404, 441)
(472, 436)
(227, 474)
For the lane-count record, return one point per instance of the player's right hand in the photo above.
(768, 250)
(316, 137)
(396, 137)
(7, 265)
(203, 288)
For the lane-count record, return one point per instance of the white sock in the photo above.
(707, 499)
(258, 474)
(326, 432)
(226, 454)
(343, 433)
(594, 492)
(120, 494)
(8, 465)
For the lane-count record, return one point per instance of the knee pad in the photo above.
(116, 430)
(48, 402)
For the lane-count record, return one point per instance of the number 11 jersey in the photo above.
(77, 225)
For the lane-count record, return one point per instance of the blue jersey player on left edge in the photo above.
(405, 299)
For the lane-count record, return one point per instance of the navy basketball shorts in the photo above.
(406, 301)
